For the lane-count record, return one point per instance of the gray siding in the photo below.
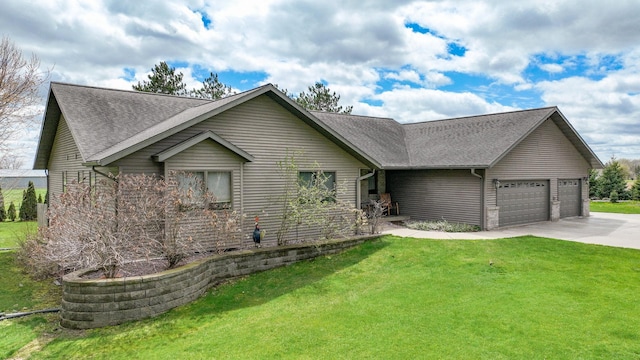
(453, 195)
(268, 132)
(546, 154)
(65, 158)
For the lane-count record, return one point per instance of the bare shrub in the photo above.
(374, 213)
(313, 204)
(125, 219)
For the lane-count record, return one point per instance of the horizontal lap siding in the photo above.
(452, 195)
(65, 157)
(546, 154)
(209, 155)
(268, 132)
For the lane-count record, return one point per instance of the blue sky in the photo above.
(409, 60)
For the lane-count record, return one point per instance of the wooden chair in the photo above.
(388, 204)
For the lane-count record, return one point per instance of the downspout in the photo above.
(108, 176)
(358, 191)
(482, 219)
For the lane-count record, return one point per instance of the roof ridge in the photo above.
(155, 94)
(480, 116)
(353, 115)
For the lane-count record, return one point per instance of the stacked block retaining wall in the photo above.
(93, 303)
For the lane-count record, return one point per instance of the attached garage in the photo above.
(494, 170)
(523, 201)
(570, 196)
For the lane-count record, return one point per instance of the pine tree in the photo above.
(163, 80)
(613, 179)
(321, 98)
(11, 213)
(212, 89)
(635, 190)
(3, 213)
(29, 207)
(39, 198)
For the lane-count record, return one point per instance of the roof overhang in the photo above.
(50, 121)
(207, 135)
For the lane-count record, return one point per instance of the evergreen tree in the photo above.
(11, 212)
(3, 213)
(635, 190)
(613, 179)
(163, 80)
(29, 207)
(321, 98)
(594, 184)
(39, 198)
(212, 89)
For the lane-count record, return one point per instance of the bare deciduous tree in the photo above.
(20, 79)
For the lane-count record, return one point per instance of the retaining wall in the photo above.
(93, 303)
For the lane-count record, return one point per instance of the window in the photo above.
(312, 178)
(217, 183)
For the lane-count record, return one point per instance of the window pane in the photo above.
(330, 182)
(305, 178)
(191, 183)
(219, 184)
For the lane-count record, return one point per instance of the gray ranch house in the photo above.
(489, 170)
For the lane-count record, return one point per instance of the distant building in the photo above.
(19, 179)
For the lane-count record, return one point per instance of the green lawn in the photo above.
(12, 231)
(402, 298)
(623, 207)
(18, 293)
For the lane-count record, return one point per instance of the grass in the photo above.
(402, 298)
(18, 292)
(11, 232)
(623, 207)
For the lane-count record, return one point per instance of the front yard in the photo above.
(400, 298)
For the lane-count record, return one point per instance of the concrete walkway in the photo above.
(620, 230)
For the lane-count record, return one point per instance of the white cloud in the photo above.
(552, 68)
(352, 45)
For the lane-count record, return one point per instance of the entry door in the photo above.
(569, 194)
(523, 201)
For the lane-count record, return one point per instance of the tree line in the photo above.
(28, 207)
(165, 80)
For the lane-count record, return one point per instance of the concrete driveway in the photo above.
(621, 230)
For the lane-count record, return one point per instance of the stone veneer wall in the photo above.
(93, 303)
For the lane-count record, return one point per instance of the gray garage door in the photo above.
(570, 197)
(523, 201)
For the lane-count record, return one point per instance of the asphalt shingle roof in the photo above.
(107, 124)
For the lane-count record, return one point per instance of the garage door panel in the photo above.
(523, 201)
(570, 196)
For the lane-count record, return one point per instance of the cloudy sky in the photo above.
(409, 60)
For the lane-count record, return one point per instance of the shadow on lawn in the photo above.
(260, 288)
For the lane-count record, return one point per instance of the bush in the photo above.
(125, 219)
(613, 197)
(442, 225)
(3, 213)
(11, 212)
(29, 206)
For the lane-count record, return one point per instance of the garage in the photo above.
(569, 194)
(523, 201)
